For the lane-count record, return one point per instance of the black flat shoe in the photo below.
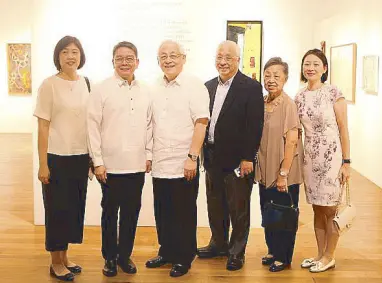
(267, 260)
(235, 262)
(277, 267)
(211, 252)
(110, 268)
(127, 266)
(67, 277)
(155, 262)
(178, 270)
(75, 269)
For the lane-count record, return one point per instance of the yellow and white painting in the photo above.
(19, 69)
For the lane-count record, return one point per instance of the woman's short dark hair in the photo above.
(277, 61)
(63, 43)
(318, 53)
(126, 44)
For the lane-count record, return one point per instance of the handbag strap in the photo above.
(347, 188)
(88, 84)
(291, 200)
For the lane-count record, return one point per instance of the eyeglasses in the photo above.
(172, 57)
(228, 59)
(120, 60)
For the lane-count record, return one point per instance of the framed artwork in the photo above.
(370, 74)
(343, 65)
(249, 36)
(19, 69)
(323, 46)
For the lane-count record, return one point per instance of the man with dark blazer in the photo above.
(232, 140)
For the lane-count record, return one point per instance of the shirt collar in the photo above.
(178, 80)
(228, 82)
(121, 82)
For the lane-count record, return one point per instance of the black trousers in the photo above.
(228, 201)
(122, 192)
(64, 200)
(280, 242)
(176, 218)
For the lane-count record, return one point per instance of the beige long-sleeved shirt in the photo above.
(119, 126)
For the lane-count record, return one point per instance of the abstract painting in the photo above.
(248, 35)
(19, 68)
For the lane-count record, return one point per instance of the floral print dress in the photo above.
(322, 145)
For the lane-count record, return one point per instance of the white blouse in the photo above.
(176, 107)
(64, 104)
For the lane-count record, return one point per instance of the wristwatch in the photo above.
(346, 161)
(283, 174)
(193, 157)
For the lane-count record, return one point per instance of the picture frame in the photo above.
(343, 65)
(19, 69)
(249, 36)
(370, 74)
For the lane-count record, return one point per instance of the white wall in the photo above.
(100, 25)
(359, 22)
(15, 27)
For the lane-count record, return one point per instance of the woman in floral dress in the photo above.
(323, 113)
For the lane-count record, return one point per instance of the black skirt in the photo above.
(64, 200)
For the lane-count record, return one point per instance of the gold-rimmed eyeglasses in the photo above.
(120, 60)
(228, 59)
(172, 57)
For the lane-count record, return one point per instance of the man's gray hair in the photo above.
(180, 47)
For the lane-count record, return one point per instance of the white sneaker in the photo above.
(320, 267)
(308, 262)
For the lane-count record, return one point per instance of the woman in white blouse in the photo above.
(63, 154)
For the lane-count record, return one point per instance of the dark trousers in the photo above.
(64, 200)
(280, 242)
(122, 192)
(176, 218)
(228, 200)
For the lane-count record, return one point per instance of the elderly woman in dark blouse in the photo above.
(278, 168)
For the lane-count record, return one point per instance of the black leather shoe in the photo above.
(277, 267)
(178, 270)
(235, 262)
(211, 252)
(67, 277)
(267, 260)
(155, 262)
(110, 268)
(75, 269)
(127, 266)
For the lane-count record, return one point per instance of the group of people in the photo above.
(121, 128)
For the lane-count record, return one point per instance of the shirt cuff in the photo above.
(149, 155)
(98, 161)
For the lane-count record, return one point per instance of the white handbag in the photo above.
(344, 219)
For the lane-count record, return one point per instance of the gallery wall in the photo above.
(15, 27)
(355, 22)
(199, 25)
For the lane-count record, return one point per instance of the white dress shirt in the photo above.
(119, 125)
(220, 96)
(176, 107)
(64, 103)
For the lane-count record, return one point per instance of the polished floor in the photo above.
(23, 258)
